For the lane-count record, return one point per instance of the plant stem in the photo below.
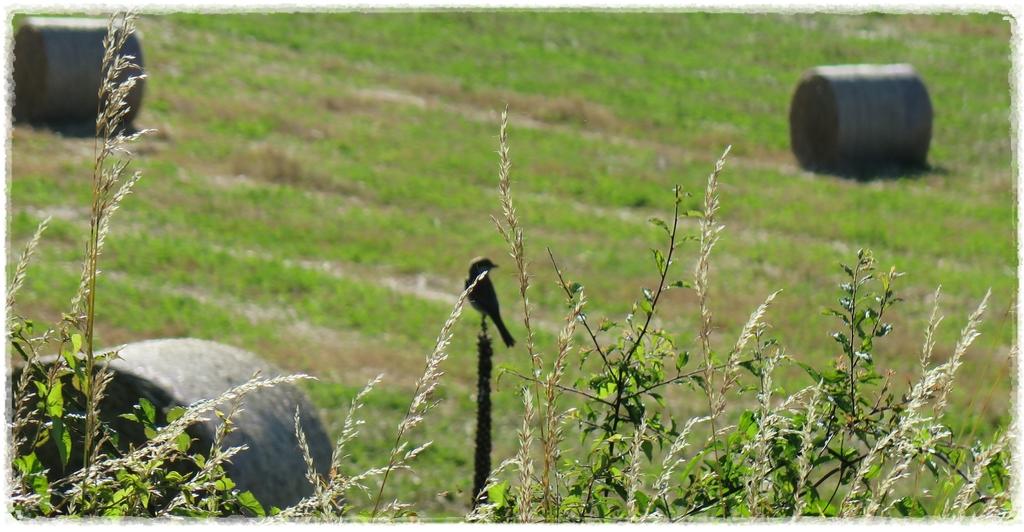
(482, 456)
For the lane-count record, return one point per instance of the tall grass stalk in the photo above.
(525, 461)
(328, 495)
(807, 450)
(552, 391)
(111, 183)
(421, 401)
(709, 230)
(632, 474)
(513, 234)
(769, 429)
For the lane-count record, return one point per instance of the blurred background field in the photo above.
(319, 182)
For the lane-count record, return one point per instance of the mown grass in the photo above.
(366, 143)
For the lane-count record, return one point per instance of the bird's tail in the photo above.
(505, 336)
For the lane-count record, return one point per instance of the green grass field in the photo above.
(319, 182)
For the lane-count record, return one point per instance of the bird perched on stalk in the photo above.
(484, 299)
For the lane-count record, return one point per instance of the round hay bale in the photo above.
(860, 118)
(57, 74)
(181, 371)
(189, 370)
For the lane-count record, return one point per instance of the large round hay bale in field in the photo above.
(187, 370)
(860, 118)
(57, 64)
(182, 371)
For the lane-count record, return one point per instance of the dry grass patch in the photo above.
(553, 110)
(270, 163)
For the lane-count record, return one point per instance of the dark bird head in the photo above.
(480, 265)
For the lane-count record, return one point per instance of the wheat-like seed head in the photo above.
(307, 456)
(350, 428)
(525, 461)
(804, 464)
(21, 269)
(632, 474)
(929, 333)
(709, 230)
(425, 386)
(767, 431)
(967, 336)
(483, 513)
(673, 458)
(551, 436)
(513, 234)
(981, 461)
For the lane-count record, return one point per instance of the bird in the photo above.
(483, 297)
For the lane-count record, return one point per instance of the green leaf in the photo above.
(641, 502)
(659, 260)
(682, 358)
(148, 410)
(183, 442)
(174, 413)
(660, 223)
(496, 493)
(62, 439)
(28, 464)
(248, 501)
(747, 423)
(224, 484)
(614, 438)
(71, 359)
(55, 401)
(910, 507)
(606, 390)
(41, 487)
(873, 471)
(841, 339)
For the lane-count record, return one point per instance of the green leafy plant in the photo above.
(839, 447)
